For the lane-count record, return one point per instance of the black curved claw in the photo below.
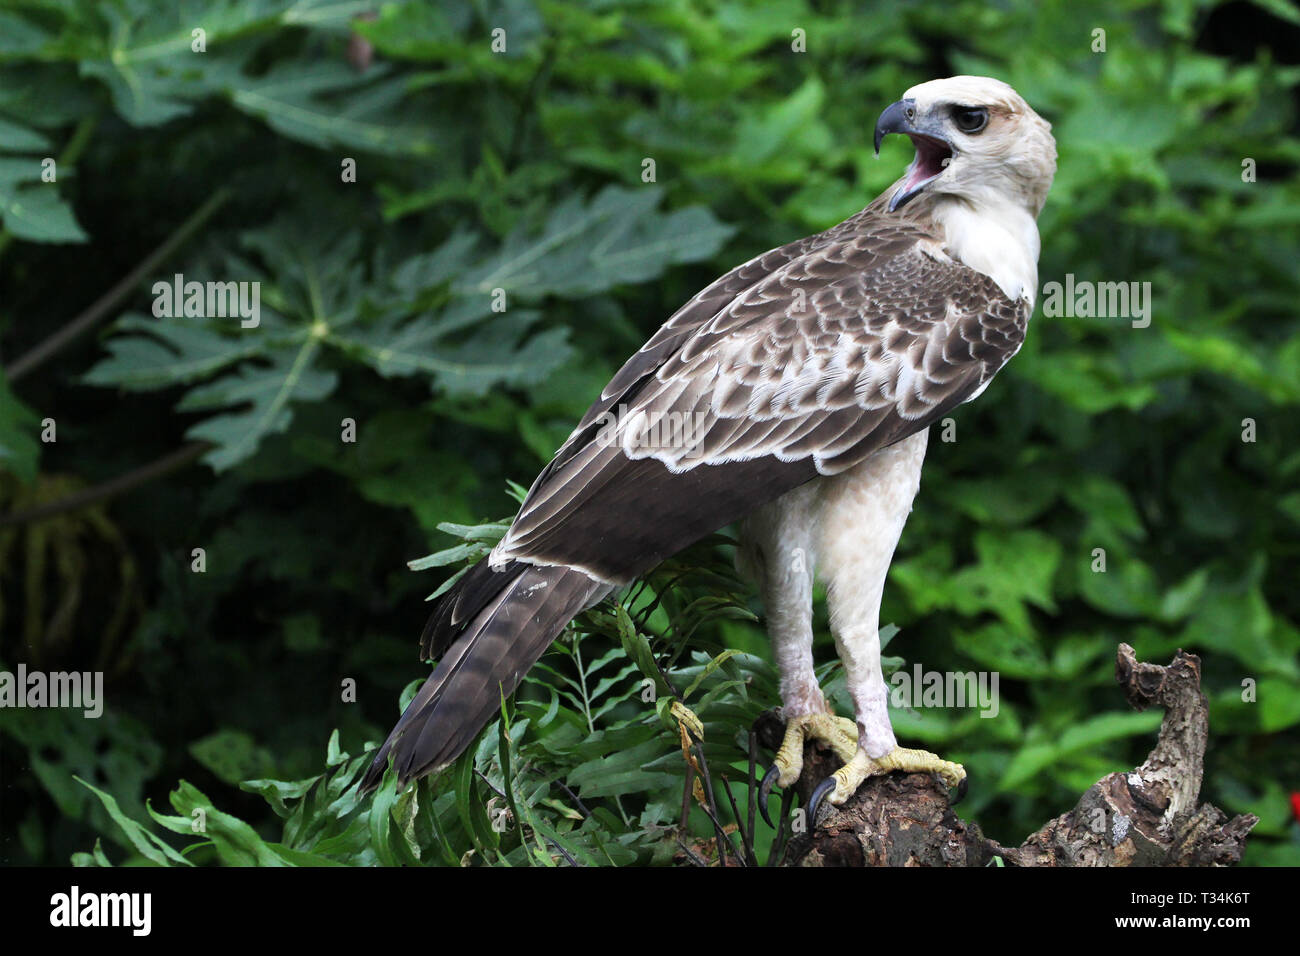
(765, 791)
(815, 801)
(961, 790)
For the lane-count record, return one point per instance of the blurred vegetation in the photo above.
(522, 170)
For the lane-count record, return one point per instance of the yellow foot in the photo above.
(839, 733)
(845, 782)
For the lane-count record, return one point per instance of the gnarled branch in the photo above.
(1148, 816)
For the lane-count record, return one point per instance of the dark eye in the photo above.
(970, 120)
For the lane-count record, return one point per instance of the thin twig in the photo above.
(106, 303)
(111, 488)
(499, 793)
(752, 793)
(582, 807)
(746, 841)
(787, 801)
(711, 811)
(691, 854)
(563, 852)
(686, 798)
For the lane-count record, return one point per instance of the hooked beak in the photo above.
(933, 150)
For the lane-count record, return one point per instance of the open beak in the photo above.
(933, 150)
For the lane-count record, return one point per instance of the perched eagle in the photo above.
(802, 385)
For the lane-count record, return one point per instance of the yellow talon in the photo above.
(838, 733)
(922, 761)
(842, 784)
(841, 735)
(854, 773)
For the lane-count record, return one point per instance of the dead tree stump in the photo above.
(1147, 816)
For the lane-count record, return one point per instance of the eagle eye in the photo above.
(970, 119)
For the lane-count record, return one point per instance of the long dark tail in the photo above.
(492, 627)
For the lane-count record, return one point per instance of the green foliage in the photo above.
(580, 770)
(19, 449)
(27, 210)
(488, 180)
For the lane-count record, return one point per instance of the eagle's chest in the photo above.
(850, 521)
(861, 512)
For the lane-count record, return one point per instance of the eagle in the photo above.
(792, 395)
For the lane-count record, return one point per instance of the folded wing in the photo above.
(801, 362)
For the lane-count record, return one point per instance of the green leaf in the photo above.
(585, 247)
(236, 842)
(1012, 568)
(147, 56)
(34, 210)
(638, 649)
(1279, 704)
(1106, 501)
(1084, 735)
(267, 391)
(232, 756)
(151, 847)
(167, 352)
(303, 101)
(1003, 649)
(387, 839)
(708, 669)
(15, 138)
(499, 353)
(19, 449)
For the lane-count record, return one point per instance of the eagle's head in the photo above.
(976, 139)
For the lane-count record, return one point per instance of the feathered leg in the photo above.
(863, 513)
(779, 552)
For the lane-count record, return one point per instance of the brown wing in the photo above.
(803, 361)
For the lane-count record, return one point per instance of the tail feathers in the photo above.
(475, 590)
(488, 660)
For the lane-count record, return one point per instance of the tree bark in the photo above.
(1148, 816)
